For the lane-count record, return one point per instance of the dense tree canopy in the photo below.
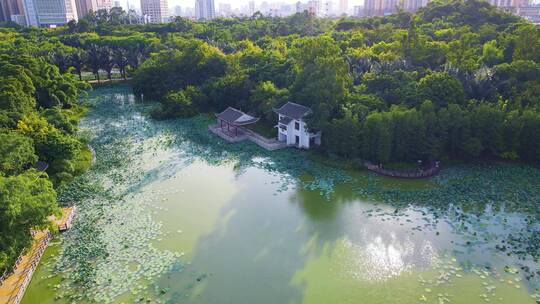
(38, 120)
(456, 80)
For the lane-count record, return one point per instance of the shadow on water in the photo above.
(260, 244)
(476, 189)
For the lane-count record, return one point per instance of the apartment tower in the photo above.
(155, 11)
(204, 9)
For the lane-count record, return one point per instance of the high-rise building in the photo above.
(381, 7)
(287, 9)
(328, 9)
(358, 11)
(530, 12)
(299, 7)
(373, 7)
(12, 10)
(411, 5)
(510, 5)
(177, 10)
(264, 7)
(343, 6)
(155, 11)
(49, 12)
(204, 9)
(86, 6)
(251, 8)
(3, 16)
(225, 9)
(314, 7)
(189, 12)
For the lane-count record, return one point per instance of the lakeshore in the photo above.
(13, 285)
(276, 224)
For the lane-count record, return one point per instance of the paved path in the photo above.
(246, 134)
(13, 287)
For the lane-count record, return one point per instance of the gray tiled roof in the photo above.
(236, 117)
(293, 110)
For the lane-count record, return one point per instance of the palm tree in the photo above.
(77, 60)
(93, 59)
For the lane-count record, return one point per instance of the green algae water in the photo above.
(169, 213)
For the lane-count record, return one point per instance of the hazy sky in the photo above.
(234, 3)
(239, 3)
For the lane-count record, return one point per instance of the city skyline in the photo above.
(58, 12)
(234, 3)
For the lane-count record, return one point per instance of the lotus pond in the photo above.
(169, 213)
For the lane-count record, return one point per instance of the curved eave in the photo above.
(247, 122)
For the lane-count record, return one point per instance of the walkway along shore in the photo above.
(242, 134)
(13, 284)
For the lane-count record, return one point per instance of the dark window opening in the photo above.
(297, 125)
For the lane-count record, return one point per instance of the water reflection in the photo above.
(380, 247)
(247, 242)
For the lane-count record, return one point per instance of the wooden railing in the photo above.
(6, 274)
(67, 222)
(21, 286)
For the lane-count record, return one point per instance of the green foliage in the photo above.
(16, 153)
(191, 64)
(491, 54)
(39, 112)
(455, 80)
(26, 200)
(527, 43)
(16, 93)
(442, 89)
(342, 137)
(265, 97)
(61, 119)
(175, 104)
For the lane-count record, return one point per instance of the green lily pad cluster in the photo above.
(472, 198)
(109, 251)
(449, 270)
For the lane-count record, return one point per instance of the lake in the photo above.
(169, 213)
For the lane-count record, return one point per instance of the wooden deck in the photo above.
(64, 223)
(13, 284)
(242, 134)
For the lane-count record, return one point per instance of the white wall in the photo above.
(292, 133)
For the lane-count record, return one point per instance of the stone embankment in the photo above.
(245, 134)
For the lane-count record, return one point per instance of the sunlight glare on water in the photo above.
(218, 225)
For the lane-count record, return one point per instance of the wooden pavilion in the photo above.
(233, 119)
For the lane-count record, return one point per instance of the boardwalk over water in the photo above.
(13, 284)
(245, 134)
